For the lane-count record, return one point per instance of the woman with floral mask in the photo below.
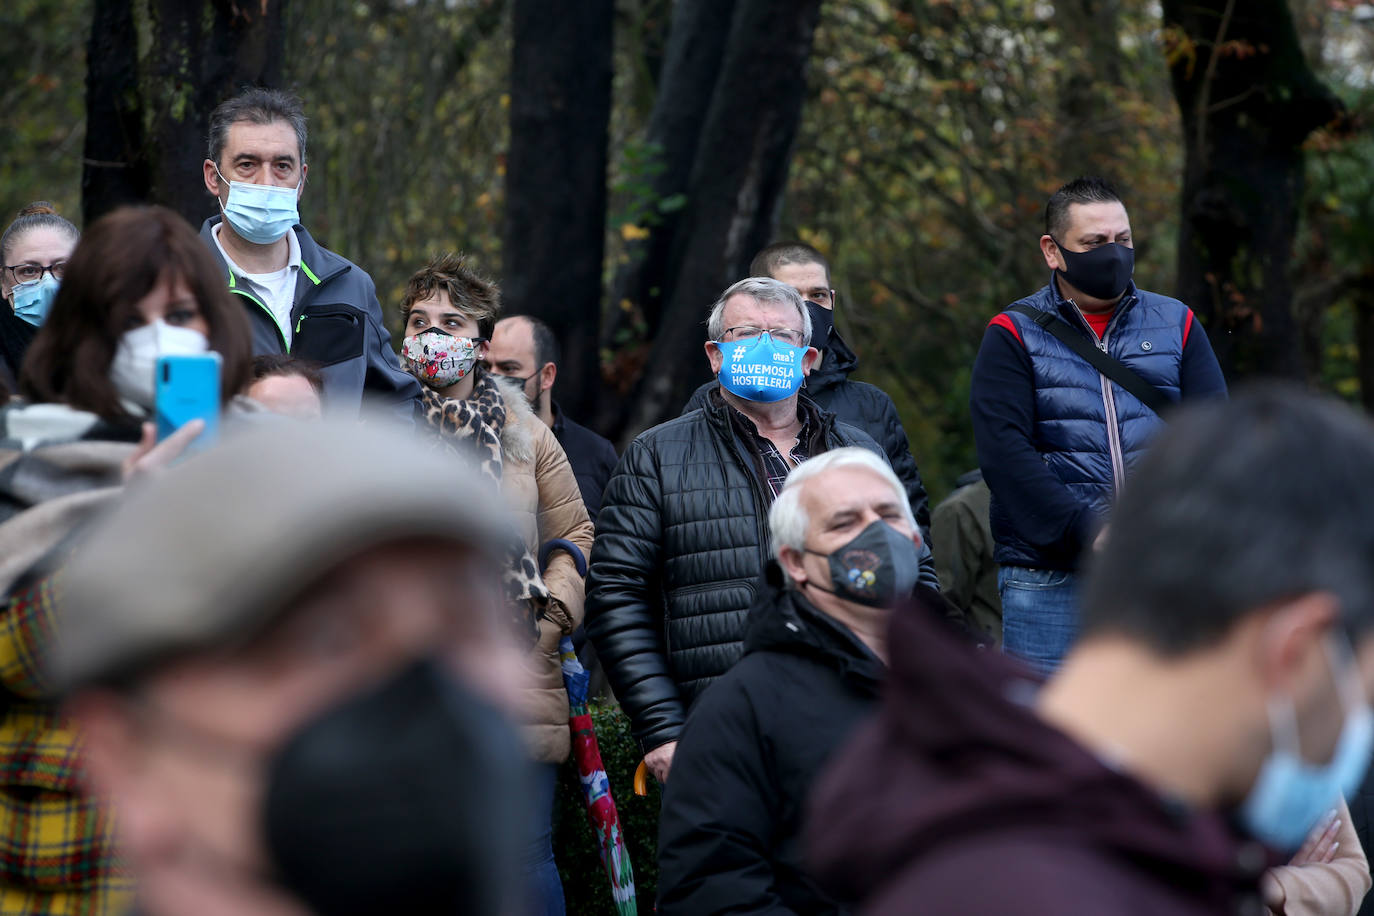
(139, 284)
(33, 255)
(449, 313)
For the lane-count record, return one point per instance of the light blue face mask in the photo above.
(33, 300)
(760, 368)
(1291, 795)
(260, 213)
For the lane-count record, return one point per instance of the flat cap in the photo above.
(213, 549)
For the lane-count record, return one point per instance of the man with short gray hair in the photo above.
(300, 298)
(682, 535)
(815, 653)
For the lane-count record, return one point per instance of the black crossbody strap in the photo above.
(1109, 366)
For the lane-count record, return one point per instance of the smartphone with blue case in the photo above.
(188, 389)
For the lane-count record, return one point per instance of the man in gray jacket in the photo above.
(300, 298)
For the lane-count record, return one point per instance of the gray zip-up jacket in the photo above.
(337, 325)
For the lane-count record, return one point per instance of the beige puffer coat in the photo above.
(538, 483)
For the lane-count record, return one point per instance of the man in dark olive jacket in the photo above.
(682, 536)
(859, 404)
(1213, 712)
(814, 655)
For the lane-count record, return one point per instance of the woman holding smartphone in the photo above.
(139, 285)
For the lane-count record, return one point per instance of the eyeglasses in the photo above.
(744, 332)
(29, 271)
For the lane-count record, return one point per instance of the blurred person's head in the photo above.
(139, 285)
(845, 537)
(525, 349)
(287, 386)
(288, 684)
(1239, 571)
(255, 163)
(33, 258)
(758, 337)
(449, 312)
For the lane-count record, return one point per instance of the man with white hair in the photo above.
(682, 536)
(815, 652)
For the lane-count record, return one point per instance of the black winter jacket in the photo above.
(730, 830)
(871, 410)
(592, 458)
(681, 541)
(338, 326)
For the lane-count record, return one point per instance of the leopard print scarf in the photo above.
(471, 430)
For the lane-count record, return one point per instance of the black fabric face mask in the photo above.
(878, 567)
(1100, 272)
(822, 323)
(409, 798)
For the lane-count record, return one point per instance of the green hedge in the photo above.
(585, 885)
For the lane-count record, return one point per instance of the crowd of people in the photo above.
(317, 665)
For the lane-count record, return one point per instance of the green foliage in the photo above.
(42, 69)
(585, 885)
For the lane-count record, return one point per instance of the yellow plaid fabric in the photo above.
(56, 842)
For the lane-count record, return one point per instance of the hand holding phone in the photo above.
(188, 388)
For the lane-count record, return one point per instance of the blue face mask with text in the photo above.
(32, 300)
(760, 368)
(260, 213)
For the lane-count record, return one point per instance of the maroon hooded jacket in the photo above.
(959, 799)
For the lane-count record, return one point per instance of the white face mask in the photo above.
(134, 369)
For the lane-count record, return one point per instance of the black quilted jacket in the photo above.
(680, 543)
(871, 410)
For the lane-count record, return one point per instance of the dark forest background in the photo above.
(615, 163)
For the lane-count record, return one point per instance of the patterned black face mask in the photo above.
(878, 567)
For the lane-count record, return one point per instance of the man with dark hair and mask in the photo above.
(847, 552)
(300, 298)
(288, 685)
(1056, 436)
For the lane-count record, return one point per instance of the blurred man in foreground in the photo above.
(288, 685)
(1212, 714)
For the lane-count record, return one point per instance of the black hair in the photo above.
(767, 261)
(1083, 190)
(1239, 504)
(271, 365)
(546, 349)
(256, 106)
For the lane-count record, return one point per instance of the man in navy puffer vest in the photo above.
(1057, 439)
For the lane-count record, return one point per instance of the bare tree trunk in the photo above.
(1248, 100)
(696, 45)
(154, 120)
(737, 179)
(114, 171)
(1088, 134)
(556, 181)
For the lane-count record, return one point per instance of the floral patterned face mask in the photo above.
(439, 358)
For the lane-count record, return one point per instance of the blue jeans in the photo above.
(543, 888)
(1039, 614)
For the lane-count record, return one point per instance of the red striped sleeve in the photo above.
(1004, 321)
(1187, 326)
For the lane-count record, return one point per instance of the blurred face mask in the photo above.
(409, 798)
(33, 300)
(439, 358)
(1291, 795)
(260, 213)
(134, 367)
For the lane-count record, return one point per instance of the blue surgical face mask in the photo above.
(1291, 795)
(32, 300)
(260, 213)
(760, 368)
